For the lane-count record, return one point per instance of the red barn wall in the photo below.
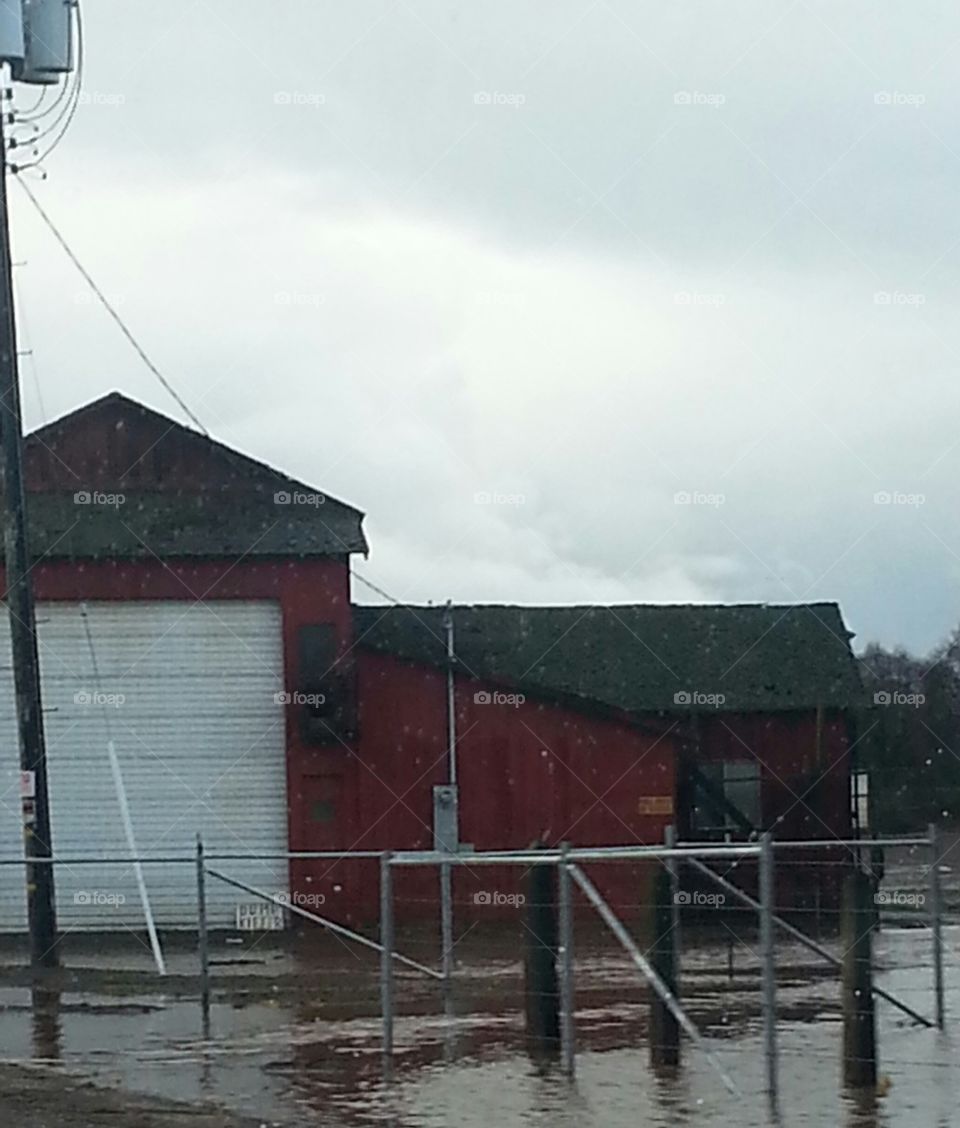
(527, 770)
(114, 447)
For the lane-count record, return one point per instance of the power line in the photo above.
(101, 297)
(373, 587)
(27, 114)
(30, 354)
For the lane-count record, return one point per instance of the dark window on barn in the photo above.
(326, 692)
(739, 783)
(318, 653)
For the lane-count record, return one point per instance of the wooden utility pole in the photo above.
(542, 992)
(664, 1028)
(41, 908)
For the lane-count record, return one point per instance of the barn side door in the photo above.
(328, 886)
(323, 823)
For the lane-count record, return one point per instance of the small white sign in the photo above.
(28, 785)
(260, 916)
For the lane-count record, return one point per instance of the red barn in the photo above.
(750, 707)
(194, 608)
(182, 588)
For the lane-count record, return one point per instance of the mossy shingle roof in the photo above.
(223, 524)
(639, 658)
(115, 479)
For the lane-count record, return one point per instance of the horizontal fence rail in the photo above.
(179, 859)
(486, 857)
(552, 857)
(824, 843)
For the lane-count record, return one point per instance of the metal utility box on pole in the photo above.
(11, 33)
(48, 43)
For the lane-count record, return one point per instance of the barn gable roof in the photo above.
(183, 494)
(639, 658)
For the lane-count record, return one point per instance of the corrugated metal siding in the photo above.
(530, 771)
(190, 704)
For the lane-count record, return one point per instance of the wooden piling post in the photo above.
(673, 868)
(859, 1021)
(664, 1028)
(540, 963)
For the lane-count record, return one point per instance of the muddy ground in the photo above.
(41, 1098)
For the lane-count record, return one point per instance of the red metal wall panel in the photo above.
(526, 771)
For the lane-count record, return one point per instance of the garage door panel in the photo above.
(188, 697)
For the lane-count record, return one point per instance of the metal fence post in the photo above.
(446, 924)
(769, 968)
(568, 1049)
(203, 946)
(936, 910)
(386, 959)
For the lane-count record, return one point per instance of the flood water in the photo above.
(292, 1061)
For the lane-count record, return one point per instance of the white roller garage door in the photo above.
(187, 692)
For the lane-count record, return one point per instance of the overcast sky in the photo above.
(580, 301)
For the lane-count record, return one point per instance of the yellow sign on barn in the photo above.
(655, 805)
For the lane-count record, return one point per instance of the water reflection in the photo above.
(671, 1092)
(449, 1027)
(863, 1109)
(47, 1022)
